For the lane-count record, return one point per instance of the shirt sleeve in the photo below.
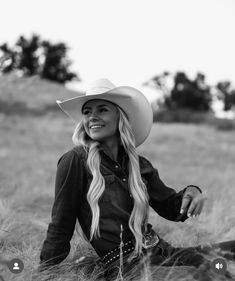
(163, 199)
(68, 183)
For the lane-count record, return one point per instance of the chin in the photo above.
(97, 138)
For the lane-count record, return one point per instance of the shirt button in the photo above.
(124, 179)
(116, 166)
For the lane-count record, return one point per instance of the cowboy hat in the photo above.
(131, 100)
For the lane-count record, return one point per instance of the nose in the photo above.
(93, 119)
(93, 115)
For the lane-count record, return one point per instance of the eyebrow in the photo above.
(88, 107)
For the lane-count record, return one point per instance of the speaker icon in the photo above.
(219, 265)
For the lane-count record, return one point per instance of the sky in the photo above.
(130, 41)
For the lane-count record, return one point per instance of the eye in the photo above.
(85, 112)
(103, 109)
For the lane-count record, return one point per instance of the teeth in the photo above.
(96, 126)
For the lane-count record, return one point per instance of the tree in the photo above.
(160, 82)
(226, 94)
(28, 58)
(193, 94)
(56, 65)
(185, 93)
(8, 59)
(34, 56)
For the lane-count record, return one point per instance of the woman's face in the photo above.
(100, 120)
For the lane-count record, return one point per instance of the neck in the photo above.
(111, 148)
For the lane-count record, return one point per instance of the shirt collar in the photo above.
(121, 158)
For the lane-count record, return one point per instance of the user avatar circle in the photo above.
(16, 265)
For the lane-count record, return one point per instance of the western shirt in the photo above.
(73, 179)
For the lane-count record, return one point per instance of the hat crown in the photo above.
(99, 86)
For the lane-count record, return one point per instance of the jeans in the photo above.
(163, 254)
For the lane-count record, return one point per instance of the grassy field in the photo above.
(30, 146)
(183, 154)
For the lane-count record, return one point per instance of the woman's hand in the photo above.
(192, 202)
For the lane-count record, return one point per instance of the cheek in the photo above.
(115, 127)
(113, 124)
(116, 123)
(85, 125)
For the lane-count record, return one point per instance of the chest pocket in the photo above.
(109, 179)
(108, 176)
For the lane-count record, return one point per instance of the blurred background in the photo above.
(158, 45)
(180, 54)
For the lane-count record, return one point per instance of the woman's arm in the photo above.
(68, 186)
(163, 199)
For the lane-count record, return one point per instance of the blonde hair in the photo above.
(139, 215)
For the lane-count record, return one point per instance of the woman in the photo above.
(105, 185)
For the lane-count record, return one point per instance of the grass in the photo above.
(183, 154)
(30, 146)
(27, 95)
(193, 117)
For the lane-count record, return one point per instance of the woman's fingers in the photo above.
(196, 206)
(194, 203)
(197, 210)
(185, 203)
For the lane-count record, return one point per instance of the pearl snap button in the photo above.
(123, 179)
(116, 166)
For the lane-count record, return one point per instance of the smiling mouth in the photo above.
(96, 126)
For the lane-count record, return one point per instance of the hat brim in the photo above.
(131, 100)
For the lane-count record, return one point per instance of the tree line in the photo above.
(194, 94)
(35, 56)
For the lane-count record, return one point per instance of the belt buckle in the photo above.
(150, 240)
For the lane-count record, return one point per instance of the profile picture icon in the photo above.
(16, 265)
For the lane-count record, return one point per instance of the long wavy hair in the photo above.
(139, 215)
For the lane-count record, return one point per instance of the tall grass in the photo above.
(184, 154)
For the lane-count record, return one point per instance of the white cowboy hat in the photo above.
(131, 100)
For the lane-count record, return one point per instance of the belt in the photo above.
(150, 240)
(114, 254)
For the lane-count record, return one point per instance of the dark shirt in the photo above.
(73, 179)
